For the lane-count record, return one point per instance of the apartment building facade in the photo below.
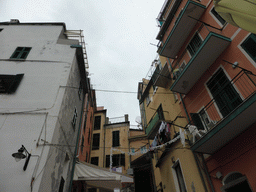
(110, 147)
(212, 66)
(171, 163)
(42, 87)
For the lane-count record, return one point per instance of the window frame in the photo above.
(21, 53)
(12, 85)
(118, 160)
(253, 37)
(95, 159)
(177, 178)
(95, 143)
(73, 122)
(189, 46)
(97, 122)
(116, 138)
(217, 17)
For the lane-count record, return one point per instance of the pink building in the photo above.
(212, 64)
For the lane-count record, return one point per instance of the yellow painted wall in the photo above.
(99, 153)
(188, 166)
(123, 136)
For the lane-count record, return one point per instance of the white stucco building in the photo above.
(42, 86)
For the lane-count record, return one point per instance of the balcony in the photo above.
(210, 49)
(223, 120)
(155, 123)
(163, 77)
(181, 29)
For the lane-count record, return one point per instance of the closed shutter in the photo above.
(115, 136)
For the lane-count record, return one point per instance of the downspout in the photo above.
(76, 148)
(195, 156)
(207, 174)
(170, 64)
(200, 173)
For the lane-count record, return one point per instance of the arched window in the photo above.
(235, 181)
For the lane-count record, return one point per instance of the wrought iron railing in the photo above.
(158, 115)
(244, 83)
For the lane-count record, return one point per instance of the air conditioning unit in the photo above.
(176, 73)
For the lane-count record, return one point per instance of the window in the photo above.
(82, 145)
(223, 92)
(194, 44)
(216, 14)
(96, 141)
(235, 181)
(1, 29)
(117, 160)
(92, 190)
(97, 122)
(74, 119)
(148, 100)
(21, 53)
(115, 138)
(95, 161)
(179, 176)
(249, 45)
(89, 135)
(80, 90)
(61, 187)
(10, 83)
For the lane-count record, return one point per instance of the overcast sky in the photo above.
(118, 34)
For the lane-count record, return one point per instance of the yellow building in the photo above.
(110, 146)
(170, 163)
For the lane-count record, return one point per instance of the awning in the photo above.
(98, 177)
(239, 13)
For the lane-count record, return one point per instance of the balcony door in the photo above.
(223, 92)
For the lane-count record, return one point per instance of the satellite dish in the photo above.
(138, 119)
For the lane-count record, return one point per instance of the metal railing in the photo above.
(117, 119)
(243, 84)
(158, 115)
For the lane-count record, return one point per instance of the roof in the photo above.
(17, 22)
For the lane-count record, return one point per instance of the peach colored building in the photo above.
(212, 66)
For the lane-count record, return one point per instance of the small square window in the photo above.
(95, 161)
(194, 44)
(249, 45)
(74, 119)
(10, 83)
(21, 53)
(216, 14)
(80, 90)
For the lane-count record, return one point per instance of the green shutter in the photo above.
(115, 135)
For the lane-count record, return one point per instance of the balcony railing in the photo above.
(205, 52)
(185, 21)
(223, 119)
(154, 123)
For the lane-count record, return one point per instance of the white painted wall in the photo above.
(33, 112)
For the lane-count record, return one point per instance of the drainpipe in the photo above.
(207, 174)
(184, 106)
(76, 148)
(195, 156)
(200, 172)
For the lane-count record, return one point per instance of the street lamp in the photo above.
(20, 155)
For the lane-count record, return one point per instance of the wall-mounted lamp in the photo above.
(20, 155)
(235, 65)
